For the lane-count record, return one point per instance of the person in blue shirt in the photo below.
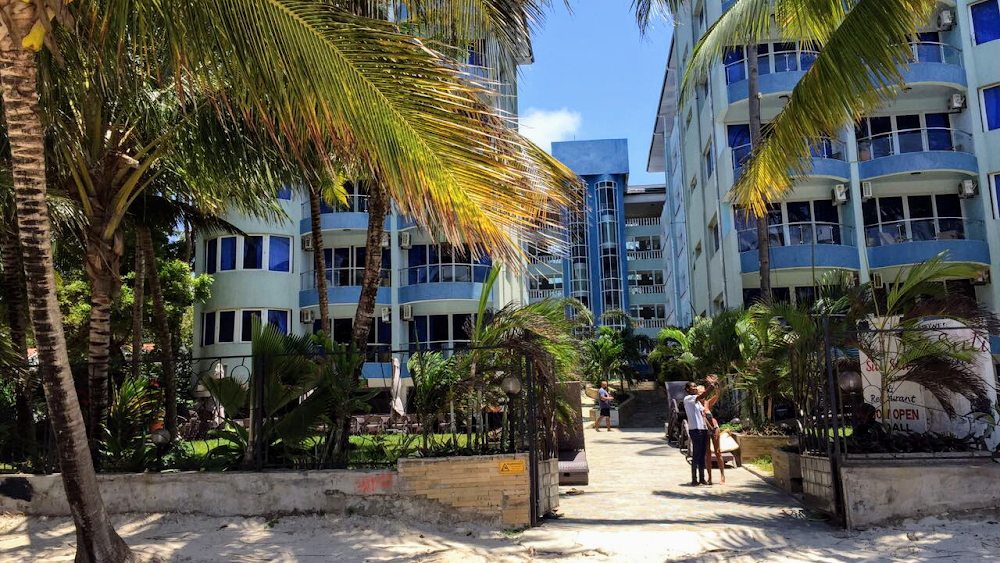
(604, 399)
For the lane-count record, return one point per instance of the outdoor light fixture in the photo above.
(511, 385)
(850, 381)
(160, 437)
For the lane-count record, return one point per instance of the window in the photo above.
(739, 141)
(709, 162)
(208, 329)
(732, 58)
(785, 57)
(716, 237)
(898, 219)
(899, 134)
(995, 182)
(284, 193)
(792, 223)
(211, 256)
(434, 263)
(227, 326)
(279, 318)
(246, 324)
(253, 252)
(227, 253)
(991, 107)
(279, 254)
(986, 21)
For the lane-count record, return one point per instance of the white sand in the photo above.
(193, 539)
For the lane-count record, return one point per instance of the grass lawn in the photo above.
(762, 465)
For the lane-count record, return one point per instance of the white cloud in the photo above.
(545, 126)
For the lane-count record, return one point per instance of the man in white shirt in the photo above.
(697, 430)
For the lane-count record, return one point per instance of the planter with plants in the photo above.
(787, 468)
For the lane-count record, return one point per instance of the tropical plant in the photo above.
(671, 357)
(134, 405)
(604, 360)
(434, 380)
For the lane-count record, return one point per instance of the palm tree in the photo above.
(359, 85)
(672, 354)
(604, 360)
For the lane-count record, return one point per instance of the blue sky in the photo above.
(595, 77)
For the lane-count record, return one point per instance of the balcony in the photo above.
(642, 221)
(780, 69)
(828, 159)
(442, 281)
(898, 243)
(343, 286)
(645, 289)
(801, 245)
(347, 216)
(916, 150)
(935, 62)
(650, 323)
(645, 254)
(540, 294)
(549, 259)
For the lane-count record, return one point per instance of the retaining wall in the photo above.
(817, 483)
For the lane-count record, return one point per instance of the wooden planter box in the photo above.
(753, 447)
(787, 470)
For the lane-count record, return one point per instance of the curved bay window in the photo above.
(793, 223)
(379, 337)
(579, 262)
(439, 332)
(914, 218)
(607, 229)
(443, 263)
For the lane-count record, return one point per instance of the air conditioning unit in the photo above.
(866, 191)
(405, 240)
(839, 196)
(945, 20)
(877, 282)
(306, 316)
(385, 240)
(956, 102)
(406, 312)
(982, 278)
(967, 189)
(307, 243)
(386, 315)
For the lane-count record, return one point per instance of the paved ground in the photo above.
(636, 510)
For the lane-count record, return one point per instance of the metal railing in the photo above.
(645, 289)
(645, 254)
(444, 273)
(924, 229)
(641, 221)
(650, 323)
(354, 204)
(796, 234)
(935, 52)
(834, 149)
(922, 139)
(340, 277)
(771, 62)
(544, 293)
(544, 259)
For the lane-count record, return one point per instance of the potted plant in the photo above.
(787, 468)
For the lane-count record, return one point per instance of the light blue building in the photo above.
(905, 183)
(615, 258)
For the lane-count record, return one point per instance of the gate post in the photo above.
(832, 389)
(532, 443)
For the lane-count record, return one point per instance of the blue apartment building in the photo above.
(910, 180)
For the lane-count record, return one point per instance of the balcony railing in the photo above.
(914, 140)
(645, 254)
(444, 273)
(924, 229)
(794, 234)
(340, 277)
(544, 259)
(354, 204)
(544, 293)
(935, 52)
(827, 148)
(645, 289)
(641, 221)
(649, 323)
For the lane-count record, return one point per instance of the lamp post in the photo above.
(161, 439)
(511, 386)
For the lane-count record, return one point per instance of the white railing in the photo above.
(650, 323)
(645, 289)
(642, 221)
(546, 259)
(645, 254)
(544, 293)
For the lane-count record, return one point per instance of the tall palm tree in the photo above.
(358, 82)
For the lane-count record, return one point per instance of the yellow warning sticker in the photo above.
(514, 467)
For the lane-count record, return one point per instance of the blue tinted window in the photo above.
(732, 58)
(227, 253)
(210, 255)
(253, 253)
(991, 106)
(279, 319)
(739, 135)
(284, 193)
(208, 329)
(986, 21)
(227, 326)
(247, 324)
(279, 254)
(418, 331)
(938, 132)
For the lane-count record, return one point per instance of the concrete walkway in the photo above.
(640, 507)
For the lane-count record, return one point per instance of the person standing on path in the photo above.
(697, 430)
(604, 399)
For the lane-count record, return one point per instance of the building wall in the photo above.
(719, 277)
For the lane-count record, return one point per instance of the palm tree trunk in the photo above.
(138, 285)
(162, 331)
(753, 100)
(97, 541)
(13, 289)
(363, 317)
(319, 262)
(103, 264)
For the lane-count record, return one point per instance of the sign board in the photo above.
(511, 467)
